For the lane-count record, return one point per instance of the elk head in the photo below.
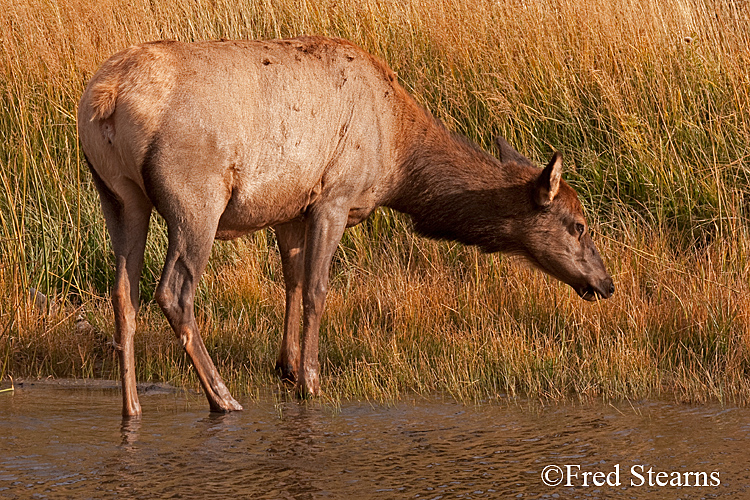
(553, 233)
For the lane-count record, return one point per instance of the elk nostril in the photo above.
(611, 287)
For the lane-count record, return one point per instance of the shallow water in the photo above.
(58, 442)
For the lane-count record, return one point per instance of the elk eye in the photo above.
(580, 228)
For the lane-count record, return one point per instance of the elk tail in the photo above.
(104, 96)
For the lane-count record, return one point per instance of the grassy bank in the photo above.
(647, 101)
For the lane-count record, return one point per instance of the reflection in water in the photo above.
(431, 449)
(293, 464)
(129, 431)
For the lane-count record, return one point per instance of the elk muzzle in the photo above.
(592, 292)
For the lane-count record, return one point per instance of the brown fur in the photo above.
(308, 136)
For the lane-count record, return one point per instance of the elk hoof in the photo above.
(308, 387)
(226, 405)
(131, 411)
(287, 371)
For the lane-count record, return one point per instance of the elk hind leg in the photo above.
(187, 256)
(127, 215)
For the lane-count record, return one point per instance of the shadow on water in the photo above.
(64, 443)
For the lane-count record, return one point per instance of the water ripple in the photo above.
(50, 448)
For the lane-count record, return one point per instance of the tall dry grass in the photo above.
(647, 101)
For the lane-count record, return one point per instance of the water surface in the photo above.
(62, 442)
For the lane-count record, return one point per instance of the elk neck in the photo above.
(453, 190)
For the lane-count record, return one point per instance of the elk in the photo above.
(307, 136)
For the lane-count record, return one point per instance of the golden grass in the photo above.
(648, 102)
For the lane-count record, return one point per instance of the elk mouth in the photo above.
(593, 293)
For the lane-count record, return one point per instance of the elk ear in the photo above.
(548, 182)
(506, 153)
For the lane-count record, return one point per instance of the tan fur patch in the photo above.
(104, 97)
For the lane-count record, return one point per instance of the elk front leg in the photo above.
(324, 229)
(291, 240)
